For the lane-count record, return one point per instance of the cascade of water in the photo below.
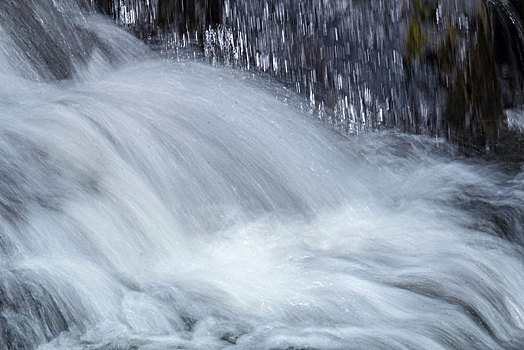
(155, 204)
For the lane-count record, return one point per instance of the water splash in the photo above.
(155, 204)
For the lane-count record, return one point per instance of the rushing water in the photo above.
(153, 204)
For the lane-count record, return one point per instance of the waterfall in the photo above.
(155, 203)
(426, 67)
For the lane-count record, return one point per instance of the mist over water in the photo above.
(153, 204)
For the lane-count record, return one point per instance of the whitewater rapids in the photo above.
(154, 204)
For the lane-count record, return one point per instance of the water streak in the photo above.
(155, 204)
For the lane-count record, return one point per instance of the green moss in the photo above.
(421, 10)
(446, 52)
(416, 41)
(417, 38)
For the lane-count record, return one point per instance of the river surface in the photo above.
(149, 203)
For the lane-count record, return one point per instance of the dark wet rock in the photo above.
(156, 20)
(508, 39)
(230, 338)
(32, 312)
(455, 79)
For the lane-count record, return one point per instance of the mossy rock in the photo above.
(421, 10)
(416, 41)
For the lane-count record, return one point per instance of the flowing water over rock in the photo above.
(149, 203)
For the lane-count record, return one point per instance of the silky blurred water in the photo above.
(153, 204)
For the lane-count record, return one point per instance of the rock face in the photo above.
(441, 67)
(450, 64)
